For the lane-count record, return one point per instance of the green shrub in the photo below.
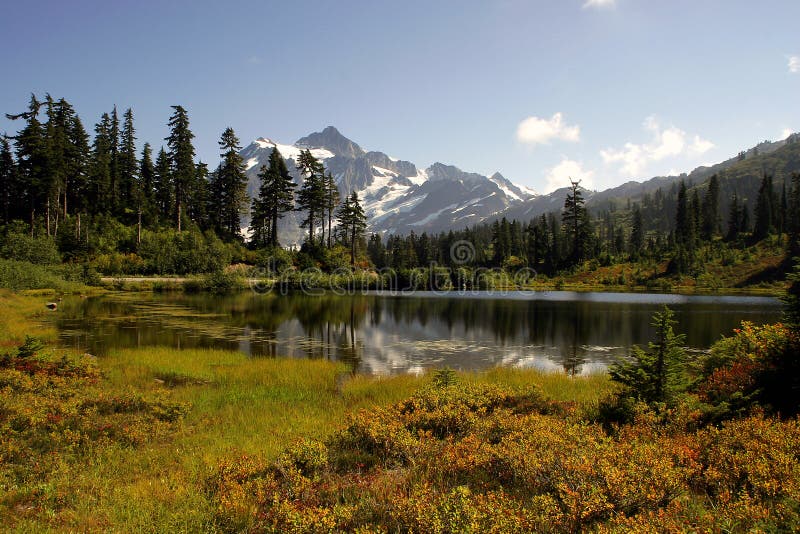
(18, 275)
(39, 250)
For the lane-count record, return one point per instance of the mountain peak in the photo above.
(331, 139)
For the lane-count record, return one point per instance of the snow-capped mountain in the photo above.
(397, 196)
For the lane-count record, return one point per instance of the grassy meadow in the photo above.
(125, 442)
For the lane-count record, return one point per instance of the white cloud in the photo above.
(786, 132)
(794, 64)
(535, 131)
(700, 146)
(599, 3)
(666, 142)
(560, 175)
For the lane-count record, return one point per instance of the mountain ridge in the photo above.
(398, 197)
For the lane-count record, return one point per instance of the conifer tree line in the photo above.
(53, 173)
(675, 224)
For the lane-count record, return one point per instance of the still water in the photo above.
(382, 333)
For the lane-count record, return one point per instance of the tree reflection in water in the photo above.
(394, 333)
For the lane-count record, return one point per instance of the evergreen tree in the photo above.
(78, 160)
(331, 200)
(424, 250)
(734, 220)
(115, 187)
(376, 251)
(576, 222)
(501, 241)
(144, 187)
(163, 188)
(31, 155)
(555, 252)
(684, 224)
(353, 222)
(55, 162)
(275, 198)
(100, 195)
(637, 233)
(538, 242)
(181, 157)
(658, 375)
(199, 193)
(619, 240)
(764, 210)
(744, 224)
(7, 180)
(783, 210)
(229, 191)
(128, 166)
(694, 215)
(515, 231)
(311, 197)
(710, 211)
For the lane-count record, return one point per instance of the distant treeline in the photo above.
(674, 224)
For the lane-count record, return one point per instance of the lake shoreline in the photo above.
(182, 283)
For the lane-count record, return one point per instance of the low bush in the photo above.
(456, 457)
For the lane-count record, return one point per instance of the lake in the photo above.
(385, 333)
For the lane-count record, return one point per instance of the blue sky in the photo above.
(605, 90)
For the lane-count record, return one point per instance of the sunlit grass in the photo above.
(20, 315)
(239, 405)
(557, 386)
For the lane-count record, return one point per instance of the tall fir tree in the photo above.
(734, 219)
(78, 161)
(115, 187)
(637, 233)
(128, 166)
(694, 214)
(163, 188)
(56, 150)
(576, 222)
(710, 209)
(501, 241)
(353, 222)
(229, 188)
(376, 251)
(684, 223)
(182, 167)
(8, 184)
(144, 187)
(197, 210)
(311, 197)
(783, 210)
(765, 218)
(31, 155)
(331, 201)
(275, 198)
(100, 196)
